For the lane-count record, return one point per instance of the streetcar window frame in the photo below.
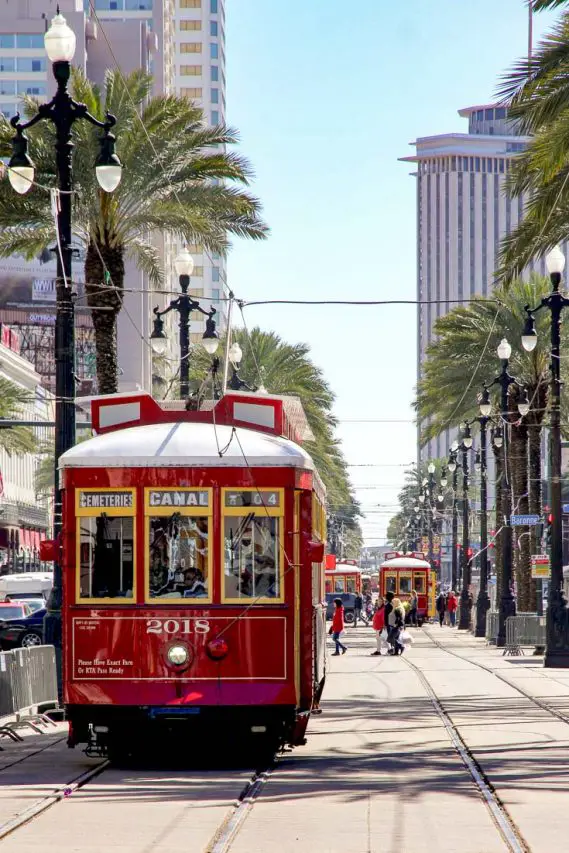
(260, 511)
(186, 512)
(84, 512)
(420, 580)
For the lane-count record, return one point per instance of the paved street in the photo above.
(379, 774)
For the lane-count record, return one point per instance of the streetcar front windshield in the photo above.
(251, 557)
(178, 548)
(106, 556)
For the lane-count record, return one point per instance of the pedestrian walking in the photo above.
(396, 621)
(441, 607)
(411, 617)
(378, 625)
(452, 604)
(338, 626)
(358, 610)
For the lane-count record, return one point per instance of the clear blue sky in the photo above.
(327, 95)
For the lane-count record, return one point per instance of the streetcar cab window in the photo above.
(404, 583)
(252, 526)
(340, 585)
(105, 542)
(350, 584)
(419, 583)
(391, 583)
(178, 531)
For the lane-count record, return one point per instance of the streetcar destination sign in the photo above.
(171, 497)
(105, 500)
(524, 520)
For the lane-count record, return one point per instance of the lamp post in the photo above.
(465, 616)
(453, 468)
(557, 630)
(429, 488)
(184, 305)
(62, 111)
(483, 600)
(236, 383)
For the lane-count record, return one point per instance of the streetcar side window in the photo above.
(391, 583)
(404, 584)
(350, 584)
(106, 552)
(252, 547)
(419, 581)
(340, 585)
(106, 563)
(178, 529)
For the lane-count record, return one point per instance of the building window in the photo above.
(500, 112)
(7, 63)
(190, 4)
(26, 63)
(489, 115)
(190, 25)
(213, 7)
(26, 41)
(214, 73)
(214, 50)
(477, 164)
(30, 87)
(215, 117)
(215, 294)
(215, 256)
(112, 5)
(138, 5)
(215, 273)
(213, 28)
(198, 272)
(8, 41)
(191, 92)
(190, 70)
(215, 96)
(8, 87)
(195, 249)
(191, 47)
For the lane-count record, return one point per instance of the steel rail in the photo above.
(510, 833)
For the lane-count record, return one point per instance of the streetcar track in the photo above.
(564, 718)
(58, 793)
(503, 821)
(231, 825)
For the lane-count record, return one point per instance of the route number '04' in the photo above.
(177, 626)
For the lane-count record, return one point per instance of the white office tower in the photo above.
(463, 214)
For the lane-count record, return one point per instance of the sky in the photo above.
(327, 95)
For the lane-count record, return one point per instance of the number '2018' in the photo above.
(177, 626)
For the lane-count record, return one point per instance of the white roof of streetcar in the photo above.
(405, 563)
(186, 444)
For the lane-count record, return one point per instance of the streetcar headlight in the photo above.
(177, 655)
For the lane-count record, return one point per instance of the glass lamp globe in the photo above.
(452, 465)
(158, 345)
(210, 345)
(21, 178)
(498, 440)
(504, 350)
(431, 468)
(60, 40)
(422, 499)
(454, 446)
(184, 263)
(555, 261)
(235, 354)
(467, 441)
(109, 176)
(524, 405)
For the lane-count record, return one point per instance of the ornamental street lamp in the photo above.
(452, 467)
(557, 630)
(236, 383)
(465, 602)
(184, 305)
(483, 600)
(63, 112)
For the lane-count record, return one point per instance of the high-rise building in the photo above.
(463, 213)
(182, 44)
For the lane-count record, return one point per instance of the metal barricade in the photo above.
(492, 619)
(28, 684)
(524, 629)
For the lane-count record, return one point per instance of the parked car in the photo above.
(25, 630)
(33, 603)
(348, 600)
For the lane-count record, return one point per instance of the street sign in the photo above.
(540, 567)
(524, 520)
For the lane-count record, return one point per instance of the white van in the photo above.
(26, 585)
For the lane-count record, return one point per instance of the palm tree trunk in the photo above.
(520, 505)
(499, 469)
(104, 276)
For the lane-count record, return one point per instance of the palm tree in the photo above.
(15, 440)
(178, 178)
(538, 101)
(287, 369)
(465, 346)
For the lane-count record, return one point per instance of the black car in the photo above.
(26, 631)
(348, 600)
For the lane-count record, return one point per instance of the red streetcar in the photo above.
(342, 576)
(400, 573)
(193, 548)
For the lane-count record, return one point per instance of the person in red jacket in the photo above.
(338, 626)
(378, 624)
(452, 604)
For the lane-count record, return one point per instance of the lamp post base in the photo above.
(465, 621)
(482, 608)
(52, 633)
(557, 633)
(507, 609)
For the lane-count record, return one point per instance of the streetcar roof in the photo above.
(186, 444)
(405, 563)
